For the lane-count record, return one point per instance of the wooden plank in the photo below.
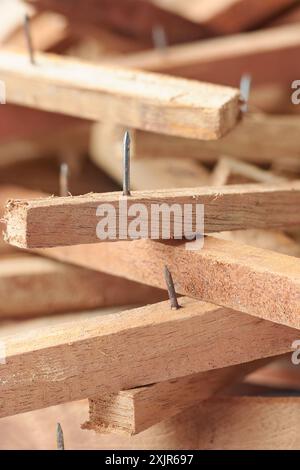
(226, 16)
(51, 222)
(257, 138)
(231, 171)
(17, 432)
(132, 98)
(267, 55)
(251, 280)
(107, 353)
(34, 286)
(133, 18)
(249, 423)
(133, 411)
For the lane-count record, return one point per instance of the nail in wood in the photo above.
(126, 165)
(60, 437)
(63, 180)
(28, 39)
(171, 289)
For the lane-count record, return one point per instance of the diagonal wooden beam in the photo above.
(135, 99)
(225, 16)
(252, 280)
(268, 55)
(67, 221)
(107, 353)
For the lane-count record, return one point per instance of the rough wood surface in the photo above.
(107, 353)
(257, 138)
(268, 55)
(255, 281)
(226, 16)
(133, 411)
(115, 15)
(247, 423)
(132, 98)
(51, 222)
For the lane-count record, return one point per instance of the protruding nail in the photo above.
(64, 180)
(171, 289)
(159, 37)
(245, 88)
(28, 38)
(60, 437)
(126, 165)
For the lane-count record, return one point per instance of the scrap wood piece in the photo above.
(133, 411)
(230, 171)
(145, 173)
(226, 16)
(135, 99)
(257, 138)
(251, 280)
(33, 286)
(51, 222)
(247, 423)
(107, 353)
(133, 18)
(268, 55)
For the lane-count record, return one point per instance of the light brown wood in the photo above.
(145, 173)
(51, 222)
(226, 16)
(36, 430)
(107, 353)
(268, 55)
(230, 171)
(255, 281)
(257, 138)
(136, 99)
(33, 286)
(249, 423)
(133, 411)
(115, 15)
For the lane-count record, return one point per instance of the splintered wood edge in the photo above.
(16, 211)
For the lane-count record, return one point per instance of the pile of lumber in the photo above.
(153, 342)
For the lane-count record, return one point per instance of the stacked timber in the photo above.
(150, 335)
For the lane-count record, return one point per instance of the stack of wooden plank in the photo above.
(87, 334)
